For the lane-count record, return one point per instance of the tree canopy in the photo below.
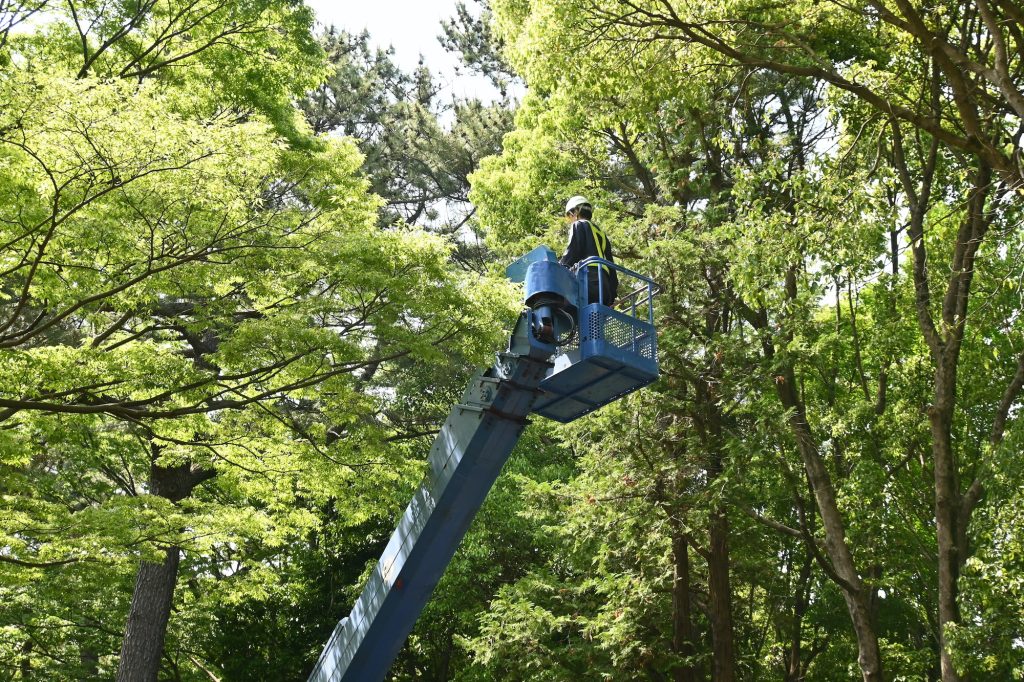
(200, 311)
(248, 266)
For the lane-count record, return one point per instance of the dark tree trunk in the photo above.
(150, 610)
(795, 667)
(720, 597)
(90, 659)
(682, 623)
(710, 424)
(25, 665)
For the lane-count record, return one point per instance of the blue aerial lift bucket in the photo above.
(606, 349)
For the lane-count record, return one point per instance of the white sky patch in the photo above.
(412, 29)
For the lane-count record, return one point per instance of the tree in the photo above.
(470, 34)
(846, 392)
(951, 75)
(194, 292)
(417, 163)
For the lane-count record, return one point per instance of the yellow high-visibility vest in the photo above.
(601, 242)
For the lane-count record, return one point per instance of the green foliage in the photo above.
(415, 162)
(197, 279)
(195, 282)
(470, 34)
(747, 156)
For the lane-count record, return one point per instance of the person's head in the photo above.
(578, 208)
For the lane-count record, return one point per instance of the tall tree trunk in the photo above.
(840, 566)
(946, 507)
(682, 623)
(794, 663)
(720, 597)
(710, 423)
(150, 610)
(952, 510)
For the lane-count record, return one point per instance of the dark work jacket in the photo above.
(585, 240)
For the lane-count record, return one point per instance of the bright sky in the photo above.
(412, 28)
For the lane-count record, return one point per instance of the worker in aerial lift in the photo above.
(585, 240)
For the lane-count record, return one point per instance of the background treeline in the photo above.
(227, 332)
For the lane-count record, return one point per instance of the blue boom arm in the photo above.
(549, 361)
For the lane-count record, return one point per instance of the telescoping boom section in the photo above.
(566, 357)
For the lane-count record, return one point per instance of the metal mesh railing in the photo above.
(626, 324)
(626, 333)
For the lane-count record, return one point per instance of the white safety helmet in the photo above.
(575, 203)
